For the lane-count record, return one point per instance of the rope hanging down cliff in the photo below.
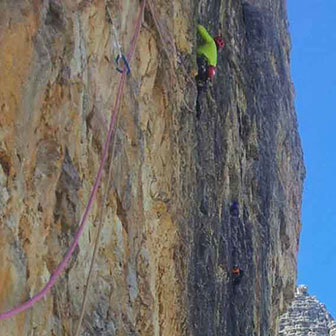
(60, 268)
(102, 215)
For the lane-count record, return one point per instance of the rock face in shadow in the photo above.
(248, 150)
(307, 316)
(170, 235)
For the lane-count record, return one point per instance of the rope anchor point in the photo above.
(124, 59)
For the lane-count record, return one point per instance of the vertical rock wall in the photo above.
(248, 150)
(168, 241)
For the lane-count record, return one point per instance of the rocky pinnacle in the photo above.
(307, 316)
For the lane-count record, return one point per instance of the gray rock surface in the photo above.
(247, 149)
(306, 316)
(169, 241)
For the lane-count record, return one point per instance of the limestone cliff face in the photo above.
(307, 316)
(168, 241)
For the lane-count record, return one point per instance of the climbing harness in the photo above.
(60, 268)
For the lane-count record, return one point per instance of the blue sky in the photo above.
(313, 66)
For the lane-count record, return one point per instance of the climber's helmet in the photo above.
(219, 42)
(211, 72)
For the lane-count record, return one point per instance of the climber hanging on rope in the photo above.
(207, 58)
(234, 209)
(237, 274)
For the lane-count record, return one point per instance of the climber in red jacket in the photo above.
(207, 57)
(237, 274)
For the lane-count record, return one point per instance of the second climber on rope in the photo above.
(207, 57)
(237, 274)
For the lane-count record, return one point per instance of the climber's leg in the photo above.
(202, 76)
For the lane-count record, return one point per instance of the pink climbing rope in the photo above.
(60, 268)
